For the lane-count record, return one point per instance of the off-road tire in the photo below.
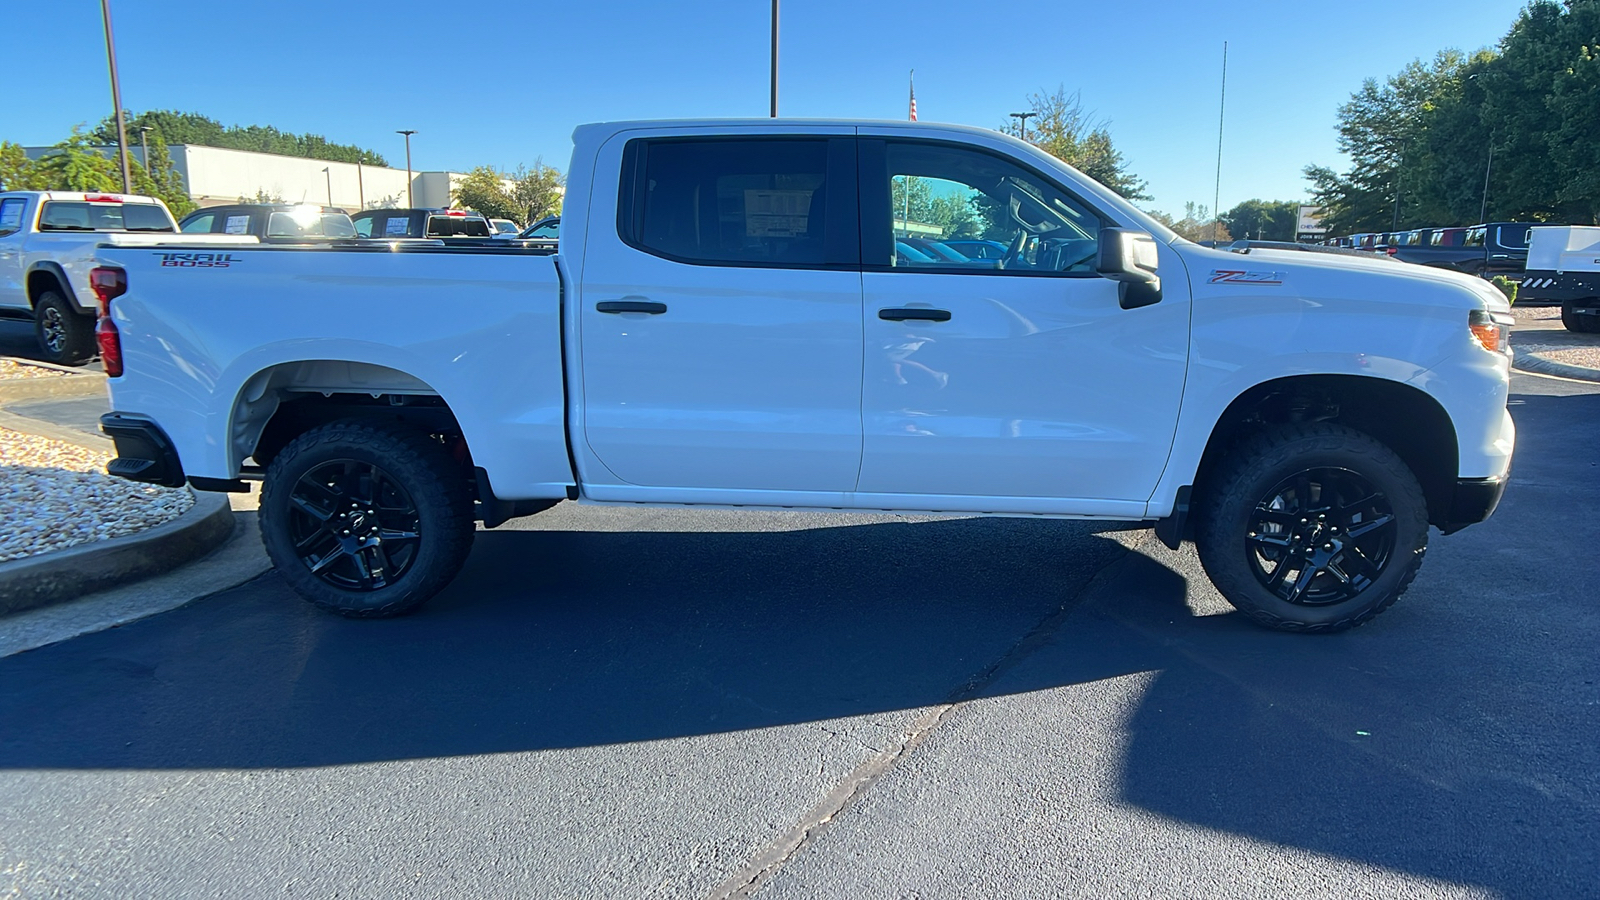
(416, 463)
(65, 336)
(1582, 323)
(1248, 475)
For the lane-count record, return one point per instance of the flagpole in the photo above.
(1222, 105)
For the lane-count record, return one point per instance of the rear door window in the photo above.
(754, 202)
(11, 210)
(200, 224)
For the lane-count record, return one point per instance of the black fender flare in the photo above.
(60, 275)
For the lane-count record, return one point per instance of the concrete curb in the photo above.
(63, 575)
(72, 383)
(1533, 362)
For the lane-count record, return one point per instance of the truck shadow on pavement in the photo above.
(1453, 738)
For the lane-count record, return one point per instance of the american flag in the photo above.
(913, 98)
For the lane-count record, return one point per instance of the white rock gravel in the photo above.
(10, 368)
(55, 495)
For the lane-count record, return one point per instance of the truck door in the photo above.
(13, 292)
(1016, 377)
(720, 313)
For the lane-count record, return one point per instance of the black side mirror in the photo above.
(1129, 257)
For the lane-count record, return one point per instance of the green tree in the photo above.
(1263, 220)
(538, 192)
(950, 209)
(75, 165)
(16, 170)
(192, 128)
(1065, 130)
(483, 189)
(1197, 223)
(524, 196)
(160, 177)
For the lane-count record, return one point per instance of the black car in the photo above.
(546, 229)
(422, 223)
(270, 220)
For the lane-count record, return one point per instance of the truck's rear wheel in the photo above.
(1583, 323)
(1312, 528)
(66, 336)
(365, 520)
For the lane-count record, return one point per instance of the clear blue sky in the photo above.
(503, 83)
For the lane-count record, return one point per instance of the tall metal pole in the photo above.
(361, 185)
(328, 171)
(116, 98)
(774, 59)
(144, 146)
(1222, 107)
(408, 135)
(1483, 211)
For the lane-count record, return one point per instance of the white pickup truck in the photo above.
(48, 241)
(731, 322)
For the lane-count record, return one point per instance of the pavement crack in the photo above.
(764, 865)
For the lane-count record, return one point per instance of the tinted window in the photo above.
(76, 215)
(1474, 238)
(198, 224)
(364, 226)
(11, 214)
(947, 201)
(309, 224)
(1514, 236)
(457, 226)
(549, 230)
(754, 202)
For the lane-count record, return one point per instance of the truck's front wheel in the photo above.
(66, 336)
(1583, 323)
(1312, 528)
(366, 520)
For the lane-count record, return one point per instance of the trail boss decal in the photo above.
(197, 260)
(1240, 276)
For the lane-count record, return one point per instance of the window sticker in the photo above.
(776, 213)
(396, 226)
(11, 215)
(237, 225)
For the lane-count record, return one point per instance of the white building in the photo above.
(215, 176)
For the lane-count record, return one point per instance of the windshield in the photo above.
(457, 226)
(79, 215)
(549, 230)
(310, 224)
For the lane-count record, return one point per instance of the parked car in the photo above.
(48, 243)
(270, 220)
(1564, 267)
(1497, 248)
(421, 223)
(725, 329)
(546, 229)
(975, 249)
(504, 228)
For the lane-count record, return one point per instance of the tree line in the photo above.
(75, 164)
(192, 128)
(1511, 132)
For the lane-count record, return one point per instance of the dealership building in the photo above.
(215, 175)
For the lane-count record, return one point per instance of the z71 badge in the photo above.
(1240, 276)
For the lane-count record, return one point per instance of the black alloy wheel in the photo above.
(354, 525)
(1320, 537)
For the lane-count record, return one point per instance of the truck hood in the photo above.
(1329, 277)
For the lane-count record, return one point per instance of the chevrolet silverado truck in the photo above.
(47, 247)
(727, 324)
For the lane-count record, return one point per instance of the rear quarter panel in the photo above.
(482, 330)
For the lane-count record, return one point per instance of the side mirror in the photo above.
(1129, 257)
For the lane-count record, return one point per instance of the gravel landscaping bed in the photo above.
(10, 368)
(55, 495)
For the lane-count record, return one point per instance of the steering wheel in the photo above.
(1014, 252)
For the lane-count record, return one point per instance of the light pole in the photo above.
(774, 59)
(1483, 211)
(408, 134)
(1022, 123)
(116, 99)
(328, 171)
(144, 146)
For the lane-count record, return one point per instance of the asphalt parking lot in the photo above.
(626, 703)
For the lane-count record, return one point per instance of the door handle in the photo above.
(922, 313)
(633, 306)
